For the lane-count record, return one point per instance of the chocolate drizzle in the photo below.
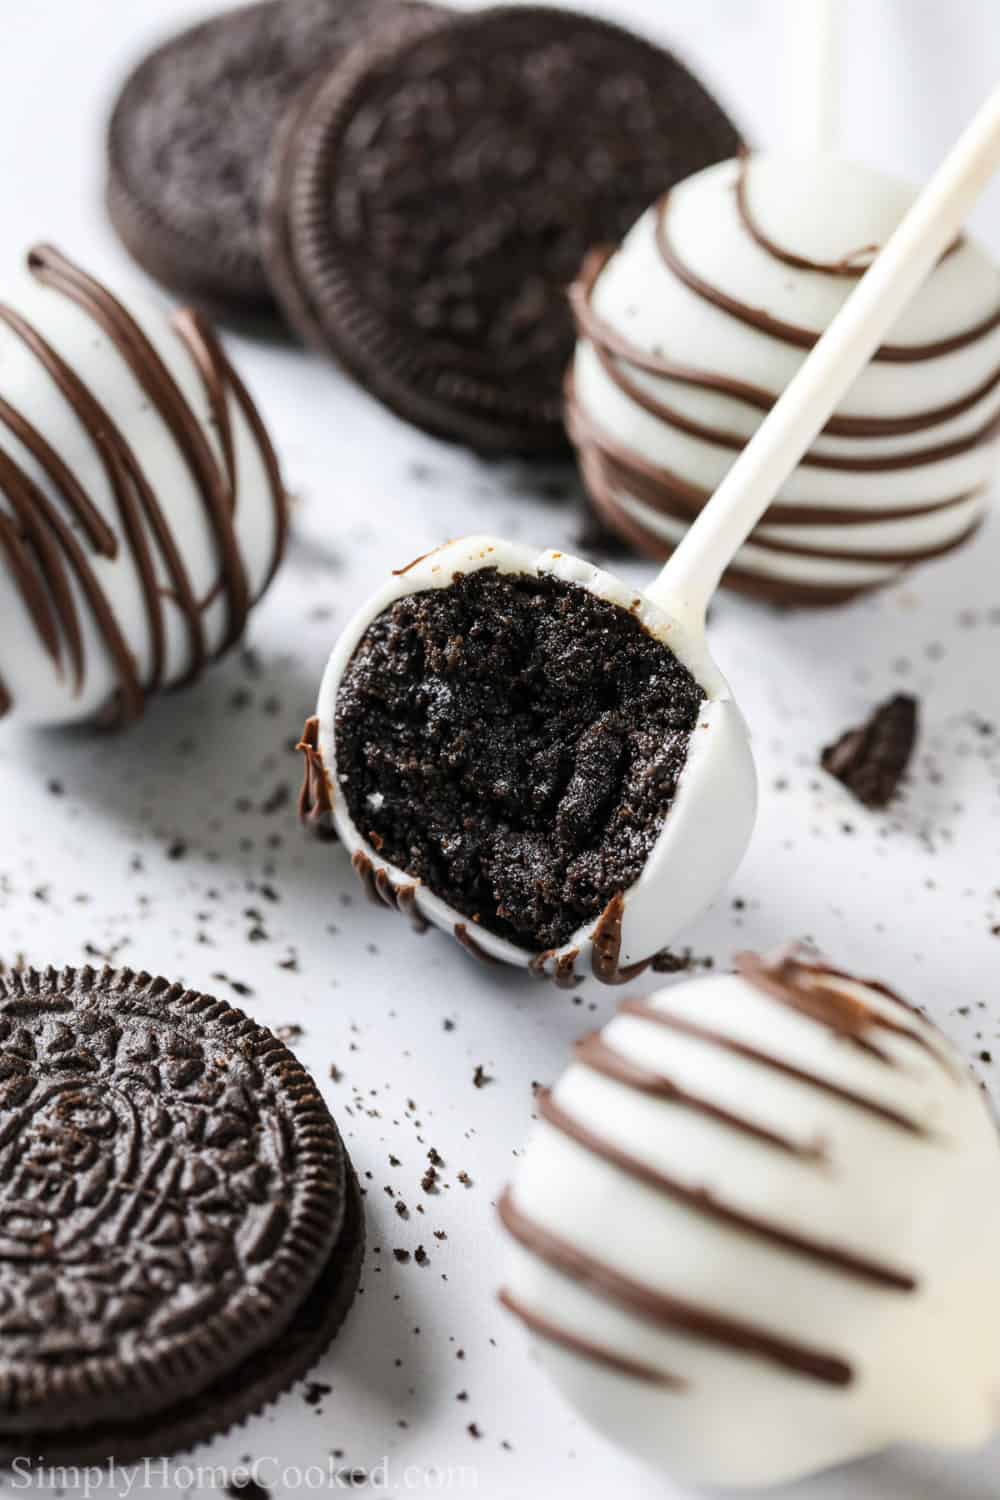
(607, 946)
(713, 1038)
(464, 937)
(596, 1053)
(40, 542)
(825, 998)
(613, 471)
(381, 890)
(671, 1314)
(316, 795)
(554, 1333)
(794, 333)
(818, 993)
(703, 1201)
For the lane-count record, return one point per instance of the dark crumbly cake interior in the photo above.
(515, 743)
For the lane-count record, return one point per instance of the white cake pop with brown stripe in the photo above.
(693, 327)
(756, 1230)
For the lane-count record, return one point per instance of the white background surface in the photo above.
(911, 896)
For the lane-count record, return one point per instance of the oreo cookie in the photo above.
(181, 1231)
(432, 198)
(191, 132)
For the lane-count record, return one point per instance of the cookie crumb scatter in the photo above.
(315, 1391)
(684, 962)
(245, 1487)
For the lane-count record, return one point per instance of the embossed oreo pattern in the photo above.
(534, 134)
(171, 1187)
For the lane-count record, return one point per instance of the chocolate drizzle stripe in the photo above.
(596, 1053)
(135, 499)
(617, 481)
(52, 269)
(598, 1354)
(673, 1314)
(563, 975)
(132, 494)
(45, 588)
(315, 797)
(783, 592)
(891, 558)
(664, 490)
(798, 987)
(381, 890)
(11, 478)
(839, 463)
(793, 333)
(406, 904)
(25, 572)
(220, 376)
(468, 942)
(607, 946)
(703, 1201)
(712, 1038)
(609, 342)
(854, 264)
(63, 480)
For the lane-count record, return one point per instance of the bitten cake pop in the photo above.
(520, 748)
(545, 762)
(690, 331)
(756, 1231)
(141, 508)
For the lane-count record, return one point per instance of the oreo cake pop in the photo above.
(804, 1184)
(511, 745)
(690, 331)
(141, 508)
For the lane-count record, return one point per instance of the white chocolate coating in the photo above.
(904, 469)
(911, 1193)
(39, 682)
(706, 830)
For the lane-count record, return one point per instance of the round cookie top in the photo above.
(437, 194)
(171, 1186)
(191, 132)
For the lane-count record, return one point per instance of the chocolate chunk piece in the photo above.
(872, 759)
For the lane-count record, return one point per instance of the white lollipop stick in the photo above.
(813, 73)
(690, 577)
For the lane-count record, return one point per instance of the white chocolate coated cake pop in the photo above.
(141, 508)
(694, 326)
(464, 746)
(756, 1230)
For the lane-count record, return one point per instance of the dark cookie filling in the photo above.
(515, 743)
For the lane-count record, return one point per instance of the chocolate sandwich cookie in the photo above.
(181, 1231)
(435, 195)
(191, 132)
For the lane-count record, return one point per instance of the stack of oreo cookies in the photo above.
(181, 1231)
(413, 187)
